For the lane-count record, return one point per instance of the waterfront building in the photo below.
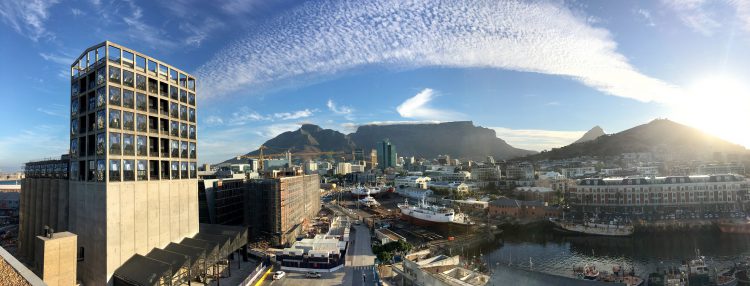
(579, 172)
(343, 168)
(522, 209)
(486, 173)
(357, 168)
(386, 154)
(719, 192)
(450, 187)
(279, 208)
(543, 194)
(726, 168)
(418, 182)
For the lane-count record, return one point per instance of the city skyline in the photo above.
(266, 68)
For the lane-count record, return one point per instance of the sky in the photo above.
(540, 73)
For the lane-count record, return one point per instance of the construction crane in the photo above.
(287, 153)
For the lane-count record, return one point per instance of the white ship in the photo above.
(612, 229)
(426, 214)
(369, 202)
(362, 191)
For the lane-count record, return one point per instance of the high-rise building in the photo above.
(133, 179)
(358, 154)
(373, 158)
(386, 154)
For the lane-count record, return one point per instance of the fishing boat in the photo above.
(737, 226)
(614, 228)
(427, 214)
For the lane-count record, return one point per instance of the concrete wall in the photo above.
(129, 218)
(43, 201)
(56, 259)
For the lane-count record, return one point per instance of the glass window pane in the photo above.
(183, 149)
(174, 128)
(173, 92)
(183, 80)
(127, 98)
(92, 58)
(183, 96)
(127, 78)
(183, 130)
(163, 89)
(100, 119)
(192, 131)
(100, 169)
(173, 110)
(140, 101)
(128, 170)
(100, 144)
(192, 150)
(115, 148)
(74, 89)
(101, 98)
(100, 76)
(114, 55)
(114, 75)
(128, 121)
(175, 170)
(140, 63)
(184, 170)
(114, 118)
(191, 84)
(114, 170)
(100, 54)
(174, 148)
(193, 170)
(127, 59)
(153, 86)
(140, 146)
(183, 112)
(152, 68)
(128, 144)
(74, 107)
(191, 99)
(74, 148)
(74, 127)
(140, 82)
(173, 76)
(142, 170)
(141, 123)
(114, 95)
(163, 72)
(191, 115)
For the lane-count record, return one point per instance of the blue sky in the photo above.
(540, 72)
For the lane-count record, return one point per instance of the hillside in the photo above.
(661, 136)
(592, 134)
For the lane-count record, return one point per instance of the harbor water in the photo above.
(557, 253)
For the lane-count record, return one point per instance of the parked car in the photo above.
(278, 275)
(312, 275)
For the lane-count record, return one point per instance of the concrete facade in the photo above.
(44, 201)
(56, 259)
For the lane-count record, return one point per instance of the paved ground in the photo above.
(238, 275)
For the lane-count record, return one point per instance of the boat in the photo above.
(671, 277)
(369, 202)
(588, 272)
(591, 228)
(362, 191)
(425, 214)
(741, 227)
(699, 273)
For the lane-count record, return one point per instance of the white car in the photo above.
(278, 275)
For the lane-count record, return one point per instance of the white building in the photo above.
(412, 181)
(523, 171)
(310, 167)
(579, 172)
(648, 171)
(343, 168)
(357, 168)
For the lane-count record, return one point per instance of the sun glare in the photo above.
(718, 105)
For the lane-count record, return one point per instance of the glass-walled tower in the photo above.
(133, 152)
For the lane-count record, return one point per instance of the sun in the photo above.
(718, 105)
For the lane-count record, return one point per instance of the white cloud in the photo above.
(77, 12)
(538, 140)
(32, 143)
(338, 109)
(323, 38)
(294, 115)
(693, 14)
(27, 17)
(58, 59)
(646, 16)
(417, 107)
(213, 120)
(57, 110)
(246, 115)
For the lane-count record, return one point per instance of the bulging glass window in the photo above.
(127, 59)
(173, 76)
(100, 144)
(127, 98)
(74, 107)
(74, 171)
(128, 144)
(163, 72)
(152, 68)
(191, 84)
(141, 121)
(183, 149)
(192, 150)
(184, 170)
(140, 82)
(114, 170)
(140, 63)
(128, 122)
(74, 126)
(114, 55)
(74, 148)
(74, 89)
(193, 170)
(191, 129)
(127, 78)
(115, 147)
(173, 91)
(191, 99)
(173, 110)
(174, 128)
(140, 101)
(191, 114)
(114, 119)
(142, 170)
(91, 58)
(100, 55)
(114, 75)
(175, 170)
(183, 112)
(183, 130)
(140, 145)
(183, 80)
(114, 95)
(101, 167)
(128, 170)
(101, 97)
(174, 148)
(100, 76)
